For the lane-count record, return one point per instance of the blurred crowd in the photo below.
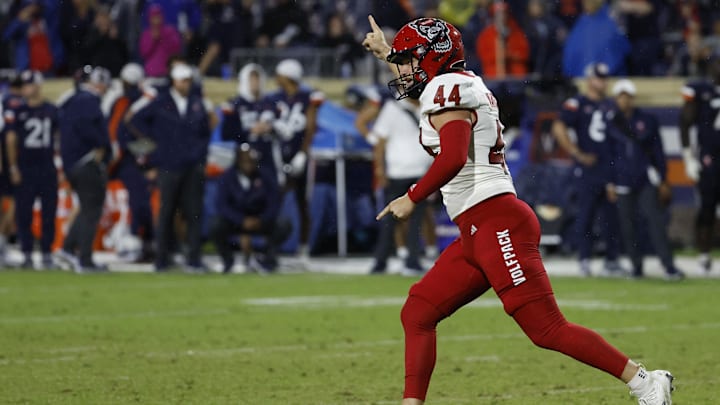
(57, 37)
(502, 38)
(150, 127)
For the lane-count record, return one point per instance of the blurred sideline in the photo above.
(652, 92)
(556, 266)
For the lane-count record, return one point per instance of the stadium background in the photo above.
(333, 64)
(527, 155)
(334, 339)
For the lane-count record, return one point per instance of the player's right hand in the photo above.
(252, 223)
(381, 180)
(401, 208)
(692, 165)
(15, 176)
(586, 159)
(261, 128)
(611, 193)
(375, 41)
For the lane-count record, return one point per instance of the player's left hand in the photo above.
(665, 193)
(692, 165)
(611, 193)
(400, 208)
(298, 163)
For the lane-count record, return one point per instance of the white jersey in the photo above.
(397, 124)
(485, 173)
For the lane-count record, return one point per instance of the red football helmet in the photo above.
(438, 47)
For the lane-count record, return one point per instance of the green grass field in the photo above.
(326, 339)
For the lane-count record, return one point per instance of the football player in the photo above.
(85, 149)
(702, 109)
(241, 116)
(499, 233)
(31, 145)
(248, 202)
(129, 167)
(9, 102)
(584, 114)
(293, 114)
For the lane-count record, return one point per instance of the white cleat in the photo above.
(705, 264)
(585, 268)
(68, 261)
(659, 389)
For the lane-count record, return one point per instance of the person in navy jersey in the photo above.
(179, 123)
(9, 102)
(31, 143)
(638, 179)
(241, 116)
(293, 113)
(129, 167)
(248, 203)
(584, 114)
(702, 109)
(85, 151)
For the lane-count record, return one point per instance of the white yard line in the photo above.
(119, 283)
(344, 355)
(325, 348)
(15, 362)
(350, 301)
(483, 359)
(313, 302)
(103, 317)
(75, 349)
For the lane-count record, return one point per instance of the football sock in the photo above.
(431, 251)
(402, 252)
(545, 325)
(419, 319)
(304, 251)
(704, 257)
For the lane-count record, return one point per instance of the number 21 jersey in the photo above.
(484, 174)
(35, 129)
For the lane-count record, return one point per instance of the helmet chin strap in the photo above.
(401, 90)
(416, 92)
(415, 89)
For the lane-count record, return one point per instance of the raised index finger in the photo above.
(373, 24)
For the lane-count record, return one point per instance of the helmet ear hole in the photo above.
(458, 65)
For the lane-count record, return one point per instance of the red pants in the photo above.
(498, 248)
